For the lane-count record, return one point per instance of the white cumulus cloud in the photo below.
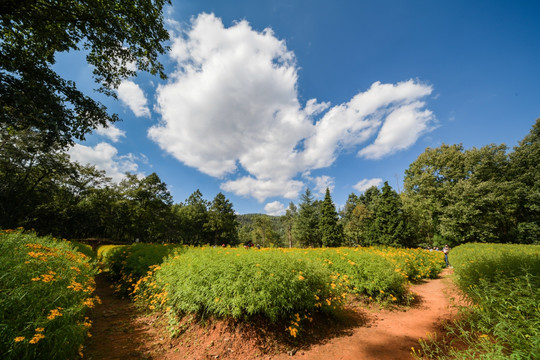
(365, 184)
(105, 157)
(133, 96)
(232, 107)
(275, 208)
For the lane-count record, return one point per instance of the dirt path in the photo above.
(119, 332)
(391, 334)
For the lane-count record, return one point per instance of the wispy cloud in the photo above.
(231, 107)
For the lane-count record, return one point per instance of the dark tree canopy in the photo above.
(118, 36)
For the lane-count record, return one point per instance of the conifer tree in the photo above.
(306, 225)
(222, 223)
(389, 222)
(331, 230)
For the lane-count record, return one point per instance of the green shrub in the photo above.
(277, 284)
(104, 252)
(46, 286)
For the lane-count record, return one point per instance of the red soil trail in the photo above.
(119, 332)
(391, 334)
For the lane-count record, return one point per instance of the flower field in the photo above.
(46, 288)
(280, 285)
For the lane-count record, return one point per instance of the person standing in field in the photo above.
(446, 250)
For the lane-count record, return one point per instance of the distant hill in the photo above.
(247, 220)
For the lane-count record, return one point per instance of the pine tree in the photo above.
(222, 221)
(306, 229)
(330, 228)
(288, 222)
(389, 222)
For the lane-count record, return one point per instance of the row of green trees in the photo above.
(373, 218)
(455, 195)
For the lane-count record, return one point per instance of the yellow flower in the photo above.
(300, 277)
(54, 313)
(293, 331)
(40, 330)
(19, 338)
(75, 286)
(36, 338)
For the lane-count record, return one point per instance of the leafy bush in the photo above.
(46, 286)
(380, 273)
(104, 252)
(416, 264)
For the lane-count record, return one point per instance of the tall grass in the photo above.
(502, 284)
(46, 287)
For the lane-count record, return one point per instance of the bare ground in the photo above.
(121, 332)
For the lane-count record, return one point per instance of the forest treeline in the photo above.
(451, 195)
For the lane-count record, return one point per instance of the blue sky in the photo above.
(265, 98)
